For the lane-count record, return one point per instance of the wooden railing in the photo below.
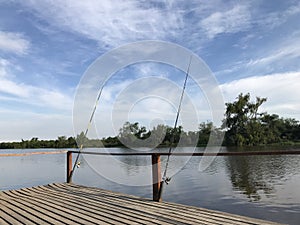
(156, 164)
(155, 159)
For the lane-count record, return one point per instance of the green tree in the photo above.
(130, 132)
(242, 121)
(61, 142)
(82, 140)
(34, 143)
(71, 142)
(204, 133)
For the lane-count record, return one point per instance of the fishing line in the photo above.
(165, 178)
(77, 163)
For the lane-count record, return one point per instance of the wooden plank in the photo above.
(132, 212)
(170, 212)
(171, 207)
(2, 221)
(185, 211)
(23, 210)
(34, 210)
(93, 204)
(81, 214)
(183, 215)
(128, 206)
(84, 208)
(15, 215)
(94, 212)
(57, 214)
(59, 210)
(7, 217)
(65, 203)
(142, 210)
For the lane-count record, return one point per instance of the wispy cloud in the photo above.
(282, 58)
(109, 23)
(14, 43)
(114, 23)
(241, 17)
(234, 20)
(29, 94)
(286, 51)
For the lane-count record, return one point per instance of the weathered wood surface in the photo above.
(65, 203)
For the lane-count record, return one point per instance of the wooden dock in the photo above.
(67, 203)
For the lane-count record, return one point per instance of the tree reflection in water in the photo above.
(257, 176)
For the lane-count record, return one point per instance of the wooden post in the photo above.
(69, 167)
(156, 177)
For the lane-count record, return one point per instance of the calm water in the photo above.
(265, 187)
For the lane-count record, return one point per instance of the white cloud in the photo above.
(14, 43)
(20, 118)
(288, 50)
(10, 87)
(293, 10)
(282, 55)
(231, 21)
(109, 23)
(118, 22)
(281, 90)
(114, 23)
(28, 94)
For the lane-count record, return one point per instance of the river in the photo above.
(265, 187)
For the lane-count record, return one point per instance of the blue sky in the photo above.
(45, 47)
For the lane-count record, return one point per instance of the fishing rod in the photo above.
(77, 163)
(166, 179)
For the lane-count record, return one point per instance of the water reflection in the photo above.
(257, 176)
(248, 177)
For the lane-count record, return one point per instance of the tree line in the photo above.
(243, 125)
(60, 142)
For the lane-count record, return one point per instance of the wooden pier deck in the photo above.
(67, 203)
